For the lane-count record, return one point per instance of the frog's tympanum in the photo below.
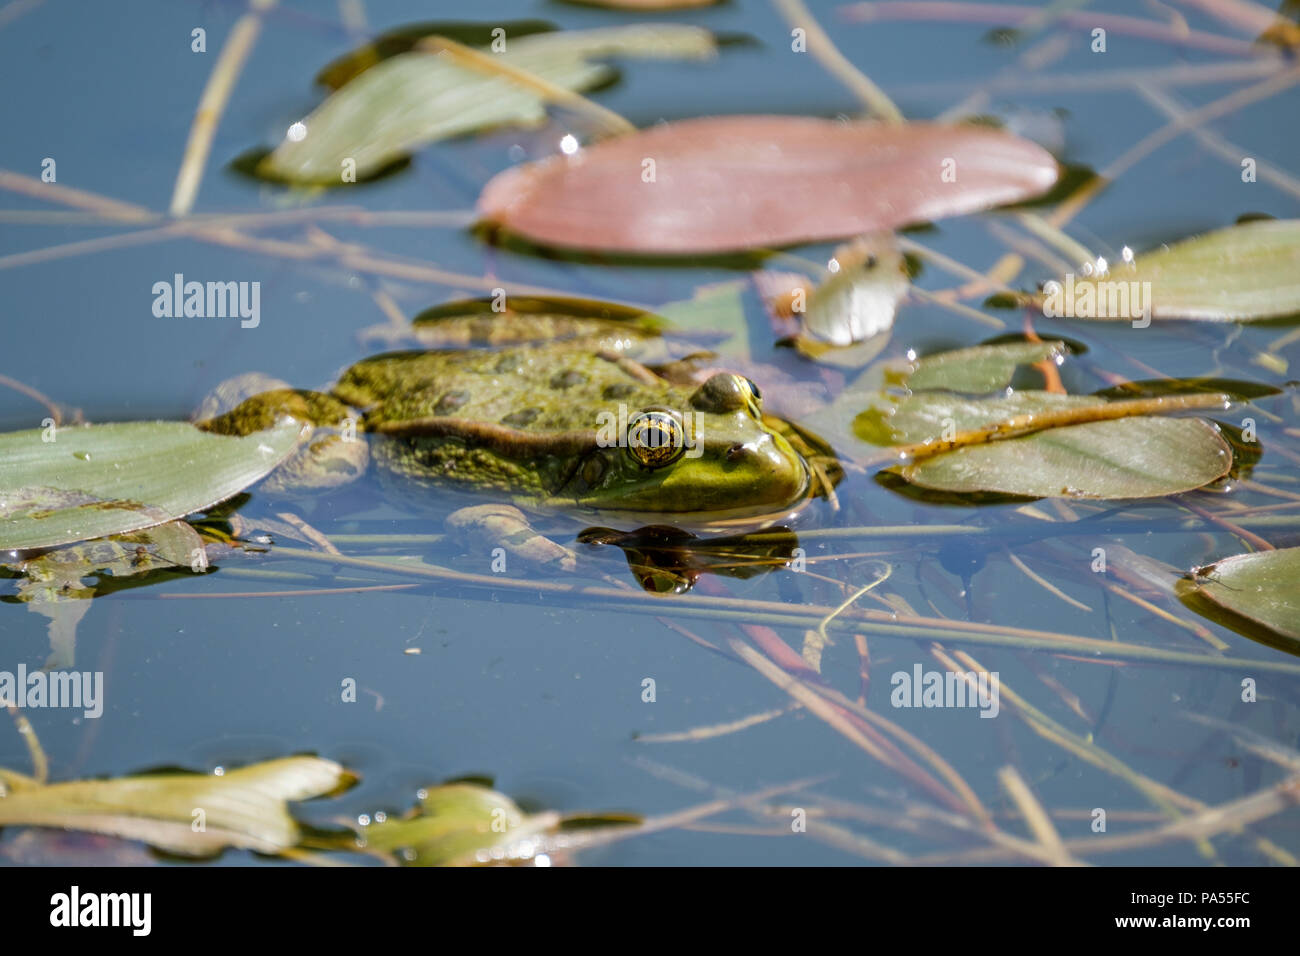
(551, 407)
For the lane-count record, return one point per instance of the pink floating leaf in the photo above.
(728, 183)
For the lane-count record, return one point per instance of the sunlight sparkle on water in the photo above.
(297, 132)
(568, 144)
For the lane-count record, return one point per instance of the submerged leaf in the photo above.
(52, 581)
(415, 98)
(1263, 587)
(729, 183)
(1245, 272)
(97, 480)
(244, 808)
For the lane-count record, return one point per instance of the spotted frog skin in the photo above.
(573, 423)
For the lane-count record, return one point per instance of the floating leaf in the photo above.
(462, 824)
(418, 97)
(1245, 272)
(1033, 443)
(96, 480)
(244, 808)
(875, 408)
(925, 416)
(1140, 457)
(729, 183)
(403, 39)
(979, 370)
(1263, 587)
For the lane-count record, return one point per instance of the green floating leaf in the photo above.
(403, 39)
(1031, 443)
(97, 480)
(463, 824)
(1245, 272)
(926, 416)
(415, 98)
(1140, 457)
(1263, 587)
(244, 808)
(982, 369)
(872, 410)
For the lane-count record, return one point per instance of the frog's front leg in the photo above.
(330, 453)
(505, 527)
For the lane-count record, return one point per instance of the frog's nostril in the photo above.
(735, 452)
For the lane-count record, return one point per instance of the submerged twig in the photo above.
(40, 763)
(717, 730)
(821, 46)
(1036, 818)
(212, 103)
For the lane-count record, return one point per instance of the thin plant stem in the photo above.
(212, 103)
(875, 99)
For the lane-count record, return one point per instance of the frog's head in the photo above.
(712, 458)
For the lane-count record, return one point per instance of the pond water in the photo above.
(541, 689)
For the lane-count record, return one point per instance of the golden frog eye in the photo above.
(655, 438)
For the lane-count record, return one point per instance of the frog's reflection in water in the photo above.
(665, 559)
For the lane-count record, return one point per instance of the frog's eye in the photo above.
(655, 438)
(726, 392)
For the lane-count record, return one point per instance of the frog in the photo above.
(554, 406)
